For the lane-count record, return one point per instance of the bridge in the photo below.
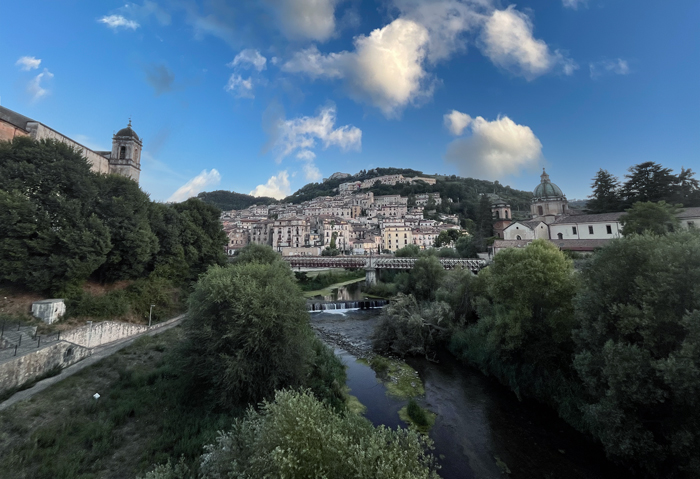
(372, 263)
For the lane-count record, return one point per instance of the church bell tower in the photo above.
(125, 159)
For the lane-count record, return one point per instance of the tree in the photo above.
(124, 209)
(638, 351)
(298, 437)
(50, 236)
(687, 188)
(257, 253)
(605, 197)
(408, 251)
(425, 277)
(648, 181)
(248, 332)
(648, 217)
(447, 237)
(466, 247)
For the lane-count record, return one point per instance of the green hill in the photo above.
(230, 200)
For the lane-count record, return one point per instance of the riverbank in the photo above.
(328, 290)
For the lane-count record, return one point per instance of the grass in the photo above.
(416, 417)
(145, 415)
(8, 393)
(400, 379)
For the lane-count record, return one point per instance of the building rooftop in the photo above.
(14, 118)
(599, 218)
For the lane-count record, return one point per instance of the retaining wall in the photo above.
(28, 367)
(97, 334)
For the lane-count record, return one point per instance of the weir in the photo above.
(341, 305)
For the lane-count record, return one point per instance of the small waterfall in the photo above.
(346, 305)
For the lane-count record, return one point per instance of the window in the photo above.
(497, 215)
(506, 214)
(573, 230)
(560, 235)
(518, 237)
(122, 152)
(691, 224)
(540, 211)
(608, 228)
(590, 230)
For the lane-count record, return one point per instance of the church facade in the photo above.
(124, 159)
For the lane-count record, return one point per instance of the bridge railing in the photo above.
(379, 262)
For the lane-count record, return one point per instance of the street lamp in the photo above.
(150, 313)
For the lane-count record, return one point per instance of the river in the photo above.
(481, 429)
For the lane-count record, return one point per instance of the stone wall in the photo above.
(8, 131)
(97, 334)
(39, 131)
(28, 367)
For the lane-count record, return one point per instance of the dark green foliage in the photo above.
(647, 217)
(409, 328)
(447, 253)
(424, 279)
(229, 200)
(409, 251)
(466, 247)
(447, 238)
(49, 233)
(638, 353)
(323, 280)
(248, 331)
(648, 181)
(124, 209)
(416, 413)
(257, 253)
(606, 193)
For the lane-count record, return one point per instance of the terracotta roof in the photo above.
(600, 218)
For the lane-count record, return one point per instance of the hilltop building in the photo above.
(124, 159)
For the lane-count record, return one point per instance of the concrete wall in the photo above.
(600, 230)
(23, 369)
(39, 131)
(8, 131)
(96, 334)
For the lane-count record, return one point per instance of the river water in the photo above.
(481, 430)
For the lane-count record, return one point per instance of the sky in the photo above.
(264, 96)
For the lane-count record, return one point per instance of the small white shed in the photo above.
(49, 310)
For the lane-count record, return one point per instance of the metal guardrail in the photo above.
(378, 262)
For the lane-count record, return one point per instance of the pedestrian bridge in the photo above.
(372, 263)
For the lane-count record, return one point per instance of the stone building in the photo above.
(124, 159)
(548, 202)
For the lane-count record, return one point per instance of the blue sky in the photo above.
(265, 96)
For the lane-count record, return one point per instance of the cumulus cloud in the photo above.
(456, 122)
(384, 70)
(160, 77)
(615, 67)
(277, 187)
(196, 185)
(305, 19)
(311, 172)
(495, 149)
(240, 87)
(508, 42)
(28, 63)
(116, 22)
(303, 133)
(36, 88)
(249, 58)
(574, 4)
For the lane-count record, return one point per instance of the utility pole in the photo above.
(150, 314)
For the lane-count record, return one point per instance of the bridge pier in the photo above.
(370, 276)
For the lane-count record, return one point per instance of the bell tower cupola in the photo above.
(125, 159)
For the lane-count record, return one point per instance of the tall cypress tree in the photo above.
(606, 195)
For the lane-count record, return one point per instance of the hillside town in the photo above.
(353, 222)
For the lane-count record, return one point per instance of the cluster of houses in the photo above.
(359, 223)
(351, 186)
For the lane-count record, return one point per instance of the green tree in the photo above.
(296, 436)
(257, 253)
(648, 181)
(50, 236)
(638, 351)
(447, 237)
(408, 251)
(169, 261)
(124, 209)
(606, 196)
(425, 278)
(687, 189)
(466, 247)
(248, 331)
(657, 218)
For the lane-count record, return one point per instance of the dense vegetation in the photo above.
(230, 200)
(646, 182)
(614, 348)
(61, 224)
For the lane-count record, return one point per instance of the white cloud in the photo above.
(35, 88)
(305, 19)
(196, 185)
(456, 122)
(617, 67)
(118, 21)
(495, 149)
(28, 63)
(574, 4)
(507, 40)
(306, 155)
(311, 172)
(240, 87)
(303, 133)
(385, 70)
(277, 187)
(249, 57)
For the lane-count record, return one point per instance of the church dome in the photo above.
(128, 132)
(547, 189)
